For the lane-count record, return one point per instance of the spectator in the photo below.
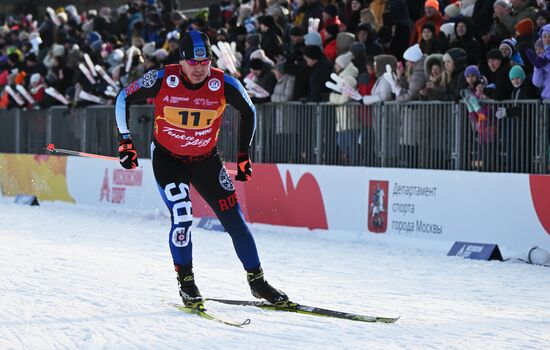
(271, 41)
(479, 117)
(525, 40)
(320, 73)
(284, 89)
(252, 44)
(378, 8)
(312, 9)
(400, 28)
(453, 80)
(343, 42)
(355, 16)
(500, 87)
(452, 12)
(347, 124)
(518, 134)
(431, 15)
(521, 9)
(541, 74)
(331, 32)
(295, 64)
(366, 35)
(466, 40)
(508, 49)
(433, 68)
(412, 78)
(330, 17)
(381, 91)
(499, 30)
(543, 18)
(264, 77)
(429, 42)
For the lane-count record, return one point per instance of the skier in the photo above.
(189, 99)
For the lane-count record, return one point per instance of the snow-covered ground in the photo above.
(85, 278)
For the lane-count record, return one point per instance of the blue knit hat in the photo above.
(472, 70)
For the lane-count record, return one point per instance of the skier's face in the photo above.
(196, 72)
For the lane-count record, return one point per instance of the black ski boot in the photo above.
(261, 289)
(189, 292)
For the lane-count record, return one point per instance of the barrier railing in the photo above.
(427, 135)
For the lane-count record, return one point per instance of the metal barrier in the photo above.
(425, 135)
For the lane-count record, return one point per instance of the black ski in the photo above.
(306, 310)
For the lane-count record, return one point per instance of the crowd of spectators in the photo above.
(77, 57)
(290, 50)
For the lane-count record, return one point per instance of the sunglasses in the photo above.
(197, 62)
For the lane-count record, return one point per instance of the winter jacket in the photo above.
(349, 74)
(541, 79)
(320, 74)
(284, 89)
(501, 80)
(467, 42)
(411, 86)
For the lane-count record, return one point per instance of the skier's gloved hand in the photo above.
(127, 153)
(244, 167)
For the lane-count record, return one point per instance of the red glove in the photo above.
(127, 154)
(244, 167)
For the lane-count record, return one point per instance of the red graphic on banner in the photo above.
(266, 199)
(378, 207)
(540, 193)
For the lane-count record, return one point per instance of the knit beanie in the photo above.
(472, 70)
(253, 39)
(453, 10)
(256, 64)
(525, 27)
(344, 59)
(313, 38)
(495, 54)
(413, 53)
(331, 10)
(516, 72)
(432, 3)
(357, 49)
(503, 3)
(313, 52)
(511, 44)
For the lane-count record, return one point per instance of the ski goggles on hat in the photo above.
(197, 62)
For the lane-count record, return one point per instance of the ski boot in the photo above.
(189, 292)
(261, 289)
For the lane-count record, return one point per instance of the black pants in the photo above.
(209, 178)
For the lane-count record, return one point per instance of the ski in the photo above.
(201, 312)
(307, 310)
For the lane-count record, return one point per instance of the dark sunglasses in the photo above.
(196, 62)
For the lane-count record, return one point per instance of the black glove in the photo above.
(127, 154)
(244, 167)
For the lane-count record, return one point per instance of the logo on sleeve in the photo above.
(149, 79)
(214, 84)
(172, 81)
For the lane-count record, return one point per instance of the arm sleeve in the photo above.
(147, 86)
(236, 96)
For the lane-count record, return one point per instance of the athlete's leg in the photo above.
(173, 183)
(212, 182)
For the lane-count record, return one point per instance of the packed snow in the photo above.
(75, 277)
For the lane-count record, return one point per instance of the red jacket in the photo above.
(330, 51)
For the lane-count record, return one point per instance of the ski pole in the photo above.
(51, 148)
